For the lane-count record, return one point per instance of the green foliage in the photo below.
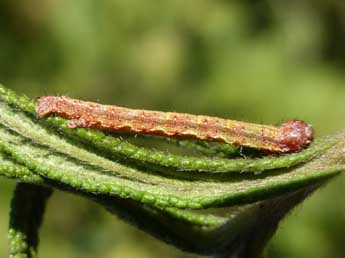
(259, 61)
(27, 210)
(150, 192)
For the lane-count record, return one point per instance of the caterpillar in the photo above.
(290, 136)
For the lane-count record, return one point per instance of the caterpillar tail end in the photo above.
(46, 106)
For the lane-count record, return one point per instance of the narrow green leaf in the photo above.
(123, 149)
(200, 204)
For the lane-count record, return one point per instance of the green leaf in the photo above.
(209, 205)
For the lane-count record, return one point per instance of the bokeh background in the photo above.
(260, 61)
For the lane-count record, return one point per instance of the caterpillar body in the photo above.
(292, 135)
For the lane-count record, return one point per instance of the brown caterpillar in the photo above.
(290, 136)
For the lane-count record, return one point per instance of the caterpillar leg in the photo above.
(75, 123)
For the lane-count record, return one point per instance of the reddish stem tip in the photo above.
(296, 134)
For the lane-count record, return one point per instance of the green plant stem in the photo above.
(27, 209)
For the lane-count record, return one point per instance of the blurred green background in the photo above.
(259, 61)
